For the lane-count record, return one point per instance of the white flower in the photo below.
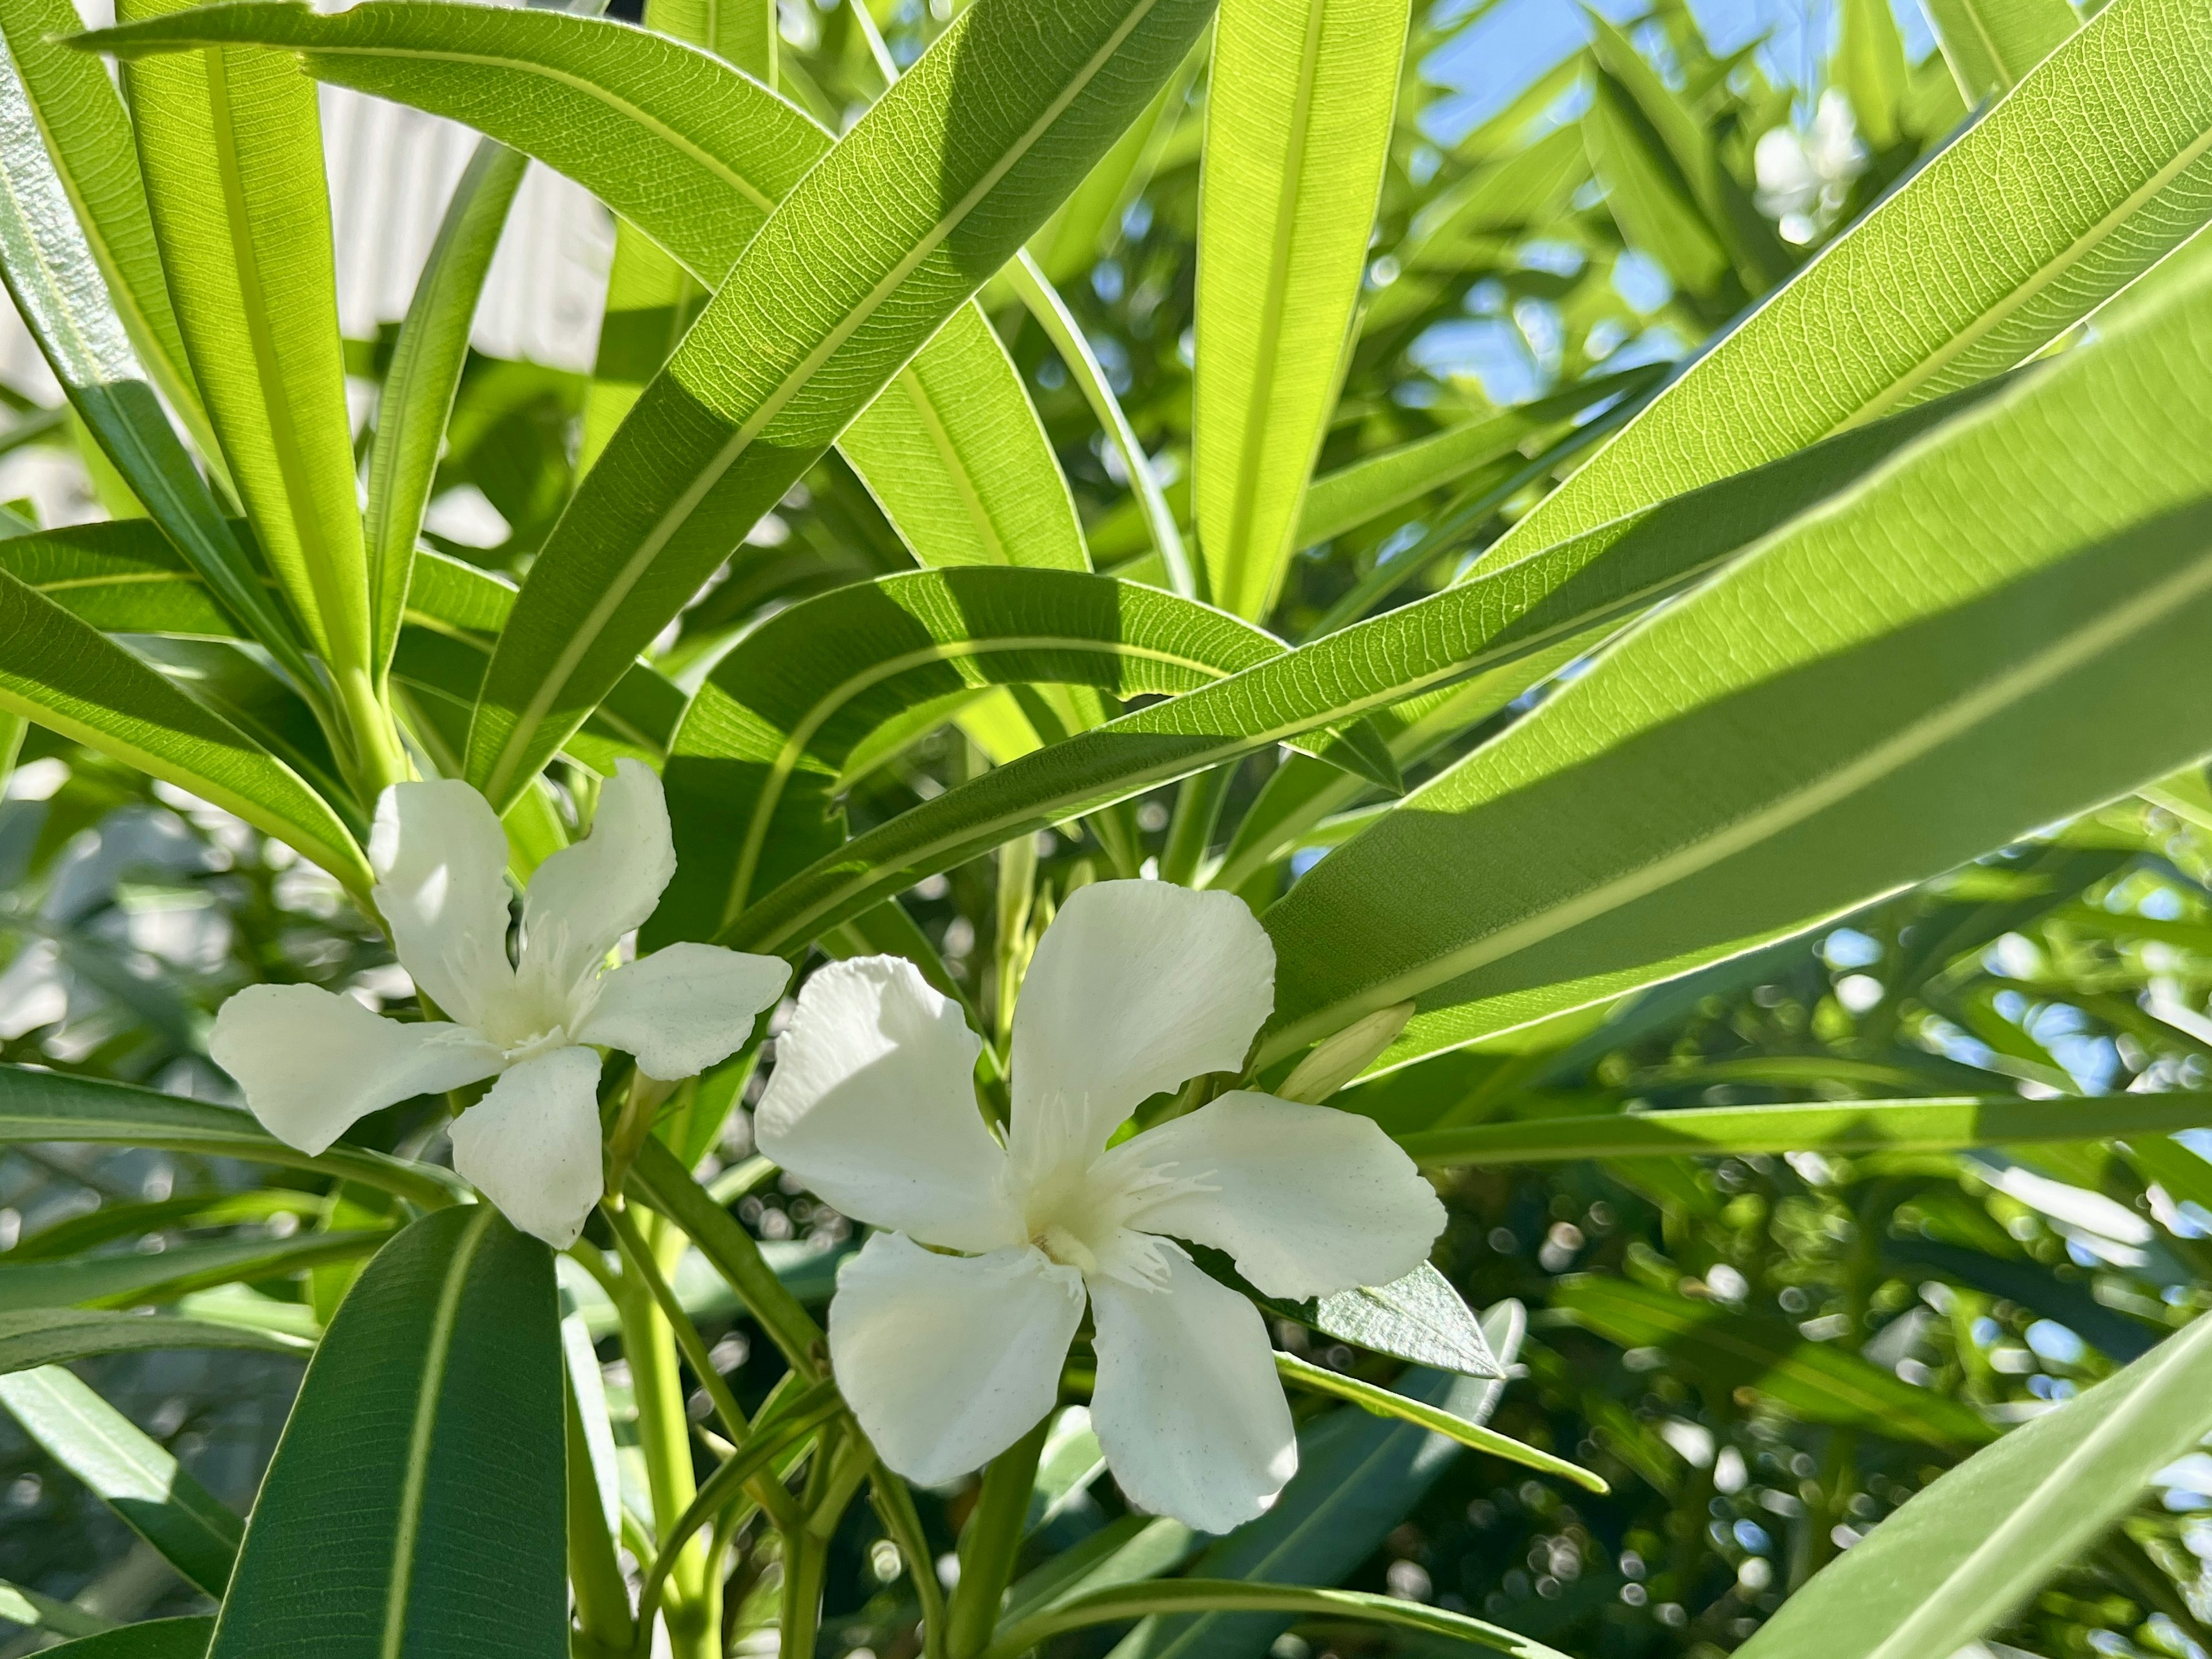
(1804, 179)
(947, 1358)
(311, 1062)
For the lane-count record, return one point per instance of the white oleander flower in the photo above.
(1805, 178)
(312, 1062)
(948, 1329)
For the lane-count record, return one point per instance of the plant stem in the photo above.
(691, 1607)
(989, 1542)
(379, 759)
(894, 1503)
(1197, 810)
(602, 1598)
(806, 1556)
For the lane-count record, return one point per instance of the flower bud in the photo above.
(1344, 1057)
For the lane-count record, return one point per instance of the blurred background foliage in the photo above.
(1764, 1356)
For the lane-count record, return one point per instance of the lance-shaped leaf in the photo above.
(931, 193)
(756, 766)
(1297, 127)
(130, 1470)
(125, 1278)
(1993, 632)
(71, 679)
(1858, 1125)
(231, 150)
(55, 278)
(2076, 184)
(694, 156)
(48, 1106)
(154, 1638)
(1817, 1381)
(425, 374)
(416, 1500)
(1991, 45)
(88, 140)
(1966, 1550)
(54, 1336)
(1544, 604)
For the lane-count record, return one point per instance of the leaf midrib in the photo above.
(573, 651)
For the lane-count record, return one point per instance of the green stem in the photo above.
(989, 1542)
(806, 1560)
(601, 1597)
(894, 1504)
(1197, 810)
(378, 758)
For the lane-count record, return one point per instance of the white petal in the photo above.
(1187, 1404)
(1310, 1199)
(872, 1105)
(1137, 986)
(683, 1008)
(947, 1360)
(441, 862)
(531, 1146)
(312, 1063)
(583, 899)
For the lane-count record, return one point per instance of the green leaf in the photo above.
(1549, 604)
(39, 1106)
(44, 1612)
(1358, 1476)
(1297, 128)
(88, 145)
(416, 1502)
(419, 387)
(54, 1336)
(124, 577)
(1988, 634)
(754, 770)
(694, 156)
(1858, 1125)
(1991, 45)
(1871, 70)
(1224, 1595)
(129, 1471)
(1965, 1551)
(155, 1638)
(1381, 1402)
(53, 275)
(1124, 1552)
(126, 1279)
(1645, 192)
(1419, 1318)
(231, 150)
(1816, 1380)
(1017, 116)
(2074, 185)
(71, 679)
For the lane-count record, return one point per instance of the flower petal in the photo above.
(872, 1105)
(947, 1360)
(683, 1008)
(1137, 986)
(1310, 1199)
(531, 1146)
(1187, 1404)
(583, 899)
(312, 1063)
(440, 861)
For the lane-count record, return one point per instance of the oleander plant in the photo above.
(1208, 867)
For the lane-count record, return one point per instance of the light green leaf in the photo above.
(431, 1421)
(419, 387)
(1958, 1558)
(742, 34)
(1819, 1381)
(71, 679)
(754, 770)
(1645, 192)
(1870, 68)
(1990, 634)
(231, 150)
(1991, 45)
(1858, 1125)
(41, 1106)
(1419, 1318)
(1544, 606)
(27, 1607)
(129, 1471)
(694, 156)
(124, 1279)
(88, 145)
(2075, 185)
(55, 279)
(1319, 1379)
(54, 1336)
(1297, 128)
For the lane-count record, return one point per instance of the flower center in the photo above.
(1065, 1248)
